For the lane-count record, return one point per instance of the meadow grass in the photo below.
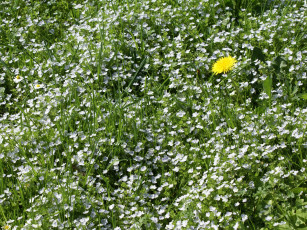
(112, 118)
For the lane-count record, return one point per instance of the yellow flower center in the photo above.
(17, 77)
(6, 227)
(38, 85)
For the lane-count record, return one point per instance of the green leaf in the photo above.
(284, 227)
(279, 63)
(257, 54)
(301, 214)
(137, 72)
(283, 64)
(295, 89)
(304, 96)
(267, 86)
(2, 92)
(299, 189)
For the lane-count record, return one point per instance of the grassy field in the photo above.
(158, 114)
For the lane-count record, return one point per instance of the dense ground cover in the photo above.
(111, 116)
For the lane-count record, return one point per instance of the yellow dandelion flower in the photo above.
(223, 65)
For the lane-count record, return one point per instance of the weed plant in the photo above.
(111, 116)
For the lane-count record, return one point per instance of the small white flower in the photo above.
(143, 168)
(244, 217)
(18, 79)
(38, 86)
(268, 218)
(180, 114)
(251, 184)
(6, 227)
(54, 224)
(84, 220)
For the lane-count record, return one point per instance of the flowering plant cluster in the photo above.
(153, 114)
